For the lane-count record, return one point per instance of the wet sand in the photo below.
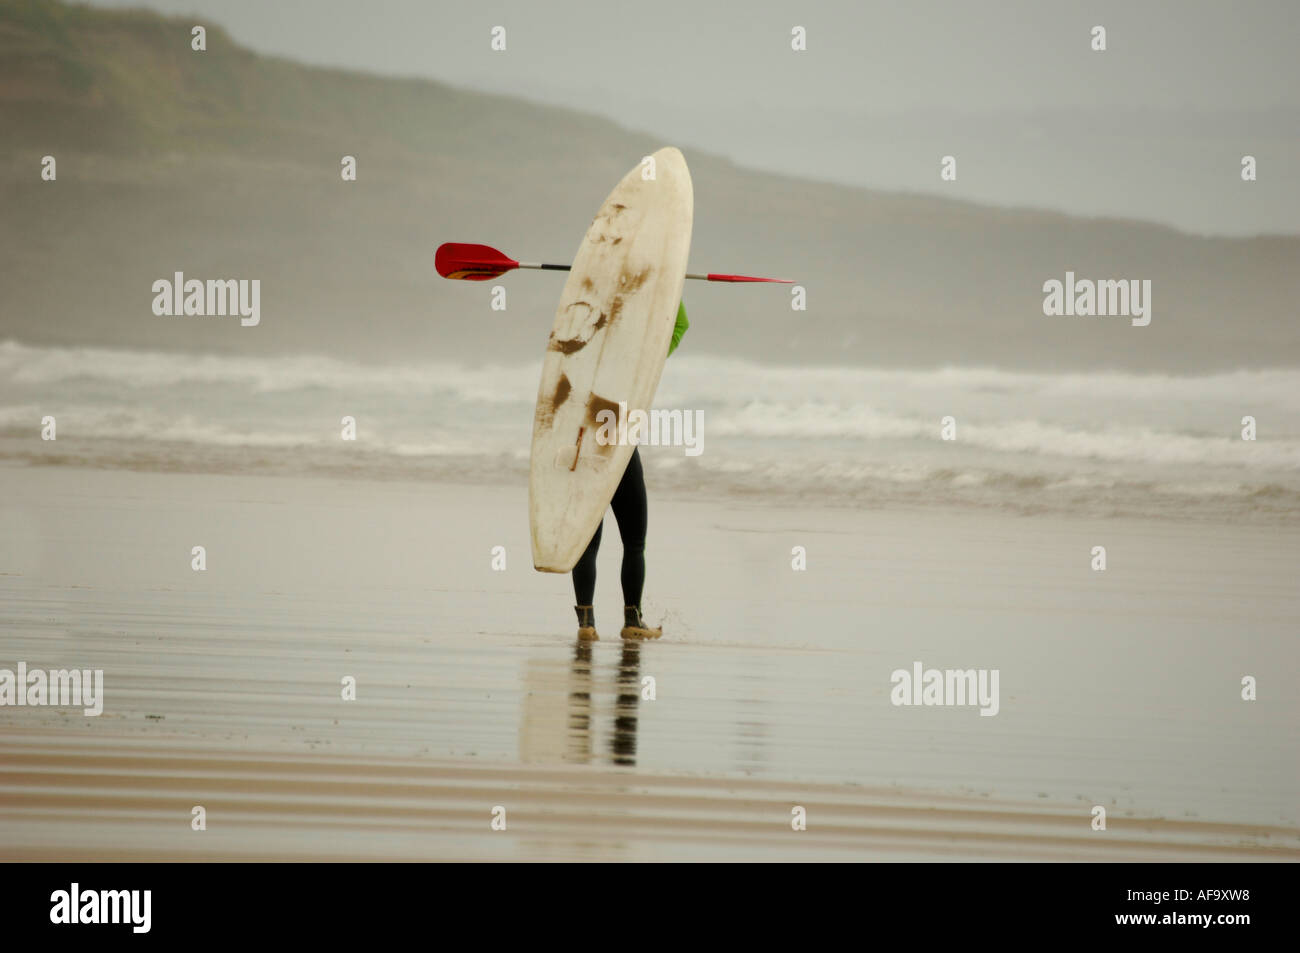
(771, 687)
(83, 800)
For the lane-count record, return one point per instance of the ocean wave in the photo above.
(860, 433)
(141, 370)
(688, 379)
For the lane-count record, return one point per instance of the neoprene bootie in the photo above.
(586, 623)
(634, 626)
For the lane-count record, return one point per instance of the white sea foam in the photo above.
(797, 429)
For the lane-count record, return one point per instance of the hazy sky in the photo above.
(884, 89)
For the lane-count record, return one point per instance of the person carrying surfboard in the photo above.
(631, 512)
(598, 362)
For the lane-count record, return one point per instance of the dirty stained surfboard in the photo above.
(611, 334)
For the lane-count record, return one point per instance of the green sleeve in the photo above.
(679, 328)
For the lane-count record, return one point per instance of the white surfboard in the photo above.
(608, 345)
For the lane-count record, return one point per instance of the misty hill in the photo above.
(225, 164)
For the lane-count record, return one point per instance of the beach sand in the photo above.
(771, 687)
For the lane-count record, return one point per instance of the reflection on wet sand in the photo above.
(568, 707)
(577, 744)
(623, 739)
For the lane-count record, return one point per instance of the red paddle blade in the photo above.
(780, 281)
(471, 262)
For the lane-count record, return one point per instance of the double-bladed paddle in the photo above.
(469, 262)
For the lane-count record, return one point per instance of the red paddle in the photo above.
(468, 262)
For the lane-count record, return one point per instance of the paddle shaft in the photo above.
(470, 262)
(538, 265)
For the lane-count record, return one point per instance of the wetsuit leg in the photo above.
(584, 571)
(632, 513)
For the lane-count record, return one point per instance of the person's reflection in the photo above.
(623, 741)
(622, 747)
(578, 748)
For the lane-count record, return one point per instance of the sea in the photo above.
(1098, 443)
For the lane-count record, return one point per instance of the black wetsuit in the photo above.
(632, 514)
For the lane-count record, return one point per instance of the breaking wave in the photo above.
(1105, 441)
